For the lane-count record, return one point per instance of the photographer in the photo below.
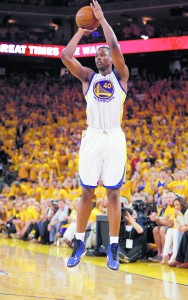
(130, 238)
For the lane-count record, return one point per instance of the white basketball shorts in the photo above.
(102, 156)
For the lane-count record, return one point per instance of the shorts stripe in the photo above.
(85, 185)
(117, 185)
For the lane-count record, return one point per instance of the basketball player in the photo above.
(103, 146)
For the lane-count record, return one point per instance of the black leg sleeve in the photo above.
(37, 233)
(183, 249)
(45, 233)
(28, 230)
(135, 253)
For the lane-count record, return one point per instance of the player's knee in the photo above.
(87, 194)
(113, 194)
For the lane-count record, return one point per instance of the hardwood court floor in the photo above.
(29, 271)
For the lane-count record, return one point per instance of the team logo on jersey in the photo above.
(103, 90)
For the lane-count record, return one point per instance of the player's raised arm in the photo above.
(117, 57)
(74, 66)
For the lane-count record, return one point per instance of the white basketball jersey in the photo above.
(105, 98)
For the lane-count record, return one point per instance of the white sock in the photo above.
(80, 236)
(114, 239)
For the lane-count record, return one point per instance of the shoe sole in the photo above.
(112, 269)
(79, 261)
(154, 260)
(122, 258)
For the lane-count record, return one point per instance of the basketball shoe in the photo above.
(113, 257)
(79, 250)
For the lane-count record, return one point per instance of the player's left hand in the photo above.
(87, 31)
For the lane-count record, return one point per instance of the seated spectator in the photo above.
(2, 218)
(173, 235)
(57, 220)
(90, 238)
(130, 239)
(163, 224)
(30, 224)
(161, 204)
(181, 260)
(70, 232)
(20, 221)
(49, 208)
(10, 226)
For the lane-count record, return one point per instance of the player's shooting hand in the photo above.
(87, 31)
(97, 10)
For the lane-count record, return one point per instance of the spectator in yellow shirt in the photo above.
(179, 186)
(75, 190)
(23, 169)
(20, 222)
(100, 191)
(35, 212)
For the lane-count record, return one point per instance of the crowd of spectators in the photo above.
(41, 122)
(18, 33)
(27, 34)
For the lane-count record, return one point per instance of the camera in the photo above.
(144, 210)
(139, 206)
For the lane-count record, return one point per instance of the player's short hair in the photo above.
(105, 47)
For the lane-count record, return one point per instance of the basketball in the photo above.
(86, 19)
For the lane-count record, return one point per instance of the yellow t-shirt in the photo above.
(59, 194)
(32, 213)
(100, 192)
(74, 193)
(169, 212)
(126, 189)
(178, 187)
(94, 213)
(23, 170)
